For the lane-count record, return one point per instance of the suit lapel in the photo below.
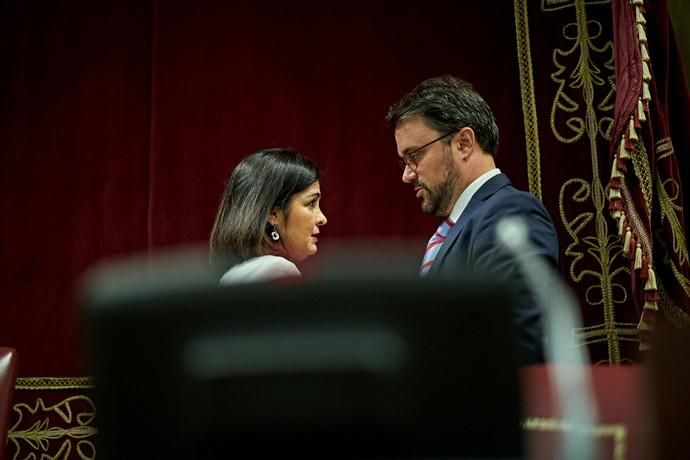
(492, 186)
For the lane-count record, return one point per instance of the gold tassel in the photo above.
(623, 153)
(632, 134)
(644, 346)
(626, 244)
(641, 35)
(614, 193)
(638, 257)
(617, 214)
(621, 225)
(646, 95)
(651, 281)
(644, 325)
(637, 2)
(644, 52)
(639, 17)
(651, 306)
(640, 110)
(646, 75)
(614, 168)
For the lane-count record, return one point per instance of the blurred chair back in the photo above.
(344, 367)
(8, 372)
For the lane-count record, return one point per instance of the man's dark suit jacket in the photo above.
(472, 244)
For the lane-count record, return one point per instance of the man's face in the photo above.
(435, 178)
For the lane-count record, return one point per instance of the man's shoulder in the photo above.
(509, 196)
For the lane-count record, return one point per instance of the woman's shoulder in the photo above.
(260, 268)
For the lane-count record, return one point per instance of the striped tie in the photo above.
(434, 245)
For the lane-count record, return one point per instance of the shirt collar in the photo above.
(469, 192)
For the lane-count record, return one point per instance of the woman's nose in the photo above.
(321, 219)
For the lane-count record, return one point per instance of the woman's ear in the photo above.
(274, 215)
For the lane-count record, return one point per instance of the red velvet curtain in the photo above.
(122, 120)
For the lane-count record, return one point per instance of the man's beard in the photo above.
(438, 201)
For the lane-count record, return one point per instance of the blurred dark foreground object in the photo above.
(339, 367)
(670, 392)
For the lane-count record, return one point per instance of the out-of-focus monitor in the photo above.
(347, 367)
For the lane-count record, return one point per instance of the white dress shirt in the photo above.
(469, 192)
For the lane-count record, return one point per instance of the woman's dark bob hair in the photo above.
(263, 181)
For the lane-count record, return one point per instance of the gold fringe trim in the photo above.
(640, 110)
(626, 245)
(638, 257)
(650, 285)
(623, 153)
(632, 132)
(626, 149)
(646, 75)
(646, 95)
(652, 306)
(644, 326)
(644, 52)
(614, 168)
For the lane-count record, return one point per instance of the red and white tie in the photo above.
(434, 245)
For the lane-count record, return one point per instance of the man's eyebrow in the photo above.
(409, 149)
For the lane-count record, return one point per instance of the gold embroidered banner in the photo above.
(567, 81)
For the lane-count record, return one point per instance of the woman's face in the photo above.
(299, 225)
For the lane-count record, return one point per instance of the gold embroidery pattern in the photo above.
(604, 248)
(553, 5)
(618, 433)
(47, 427)
(677, 316)
(577, 115)
(584, 78)
(53, 383)
(669, 193)
(664, 148)
(529, 105)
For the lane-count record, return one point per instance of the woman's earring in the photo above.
(274, 234)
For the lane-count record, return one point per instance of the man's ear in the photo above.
(464, 141)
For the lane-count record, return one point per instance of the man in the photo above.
(447, 139)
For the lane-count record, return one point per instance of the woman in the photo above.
(269, 216)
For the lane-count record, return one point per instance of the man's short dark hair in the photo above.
(448, 104)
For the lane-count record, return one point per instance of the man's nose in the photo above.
(408, 174)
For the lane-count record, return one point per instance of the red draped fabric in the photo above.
(650, 148)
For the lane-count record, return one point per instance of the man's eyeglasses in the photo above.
(410, 158)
